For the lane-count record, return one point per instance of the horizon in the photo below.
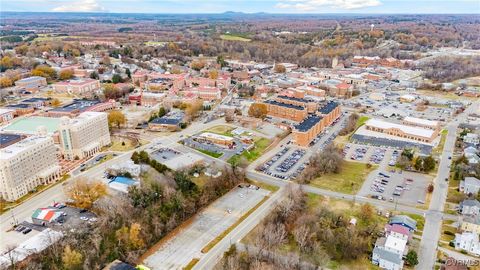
(311, 7)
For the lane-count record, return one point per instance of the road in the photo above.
(56, 193)
(433, 217)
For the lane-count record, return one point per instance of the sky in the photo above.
(249, 6)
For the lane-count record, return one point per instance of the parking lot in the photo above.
(366, 154)
(226, 152)
(207, 225)
(286, 164)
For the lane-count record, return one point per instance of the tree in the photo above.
(65, 74)
(130, 236)
(411, 258)
(430, 188)
(161, 112)
(116, 78)
(71, 258)
(5, 82)
(258, 110)
(197, 65)
(129, 73)
(279, 68)
(94, 75)
(116, 118)
(213, 74)
(221, 61)
(84, 193)
(193, 108)
(424, 164)
(366, 212)
(110, 91)
(44, 71)
(55, 102)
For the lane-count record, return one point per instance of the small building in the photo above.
(405, 221)
(169, 122)
(119, 265)
(217, 139)
(21, 109)
(472, 138)
(471, 185)
(6, 115)
(45, 216)
(386, 259)
(398, 231)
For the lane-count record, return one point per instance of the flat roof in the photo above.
(77, 104)
(29, 125)
(31, 79)
(35, 99)
(7, 139)
(215, 136)
(274, 102)
(308, 123)
(294, 98)
(420, 121)
(20, 146)
(328, 107)
(417, 131)
(21, 105)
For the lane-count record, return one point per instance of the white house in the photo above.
(470, 185)
(386, 259)
(470, 207)
(468, 241)
(472, 138)
(471, 153)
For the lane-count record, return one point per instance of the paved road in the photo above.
(433, 218)
(56, 193)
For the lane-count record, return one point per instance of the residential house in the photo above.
(386, 259)
(470, 207)
(398, 231)
(471, 185)
(472, 138)
(471, 154)
(470, 224)
(467, 241)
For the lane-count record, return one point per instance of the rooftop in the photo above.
(308, 123)
(417, 131)
(77, 104)
(35, 99)
(328, 107)
(274, 102)
(8, 139)
(172, 118)
(20, 146)
(387, 255)
(30, 125)
(420, 121)
(20, 106)
(30, 79)
(294, 98)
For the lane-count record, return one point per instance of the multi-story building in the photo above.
(423, 123)
(287, 111)
(31, 84)
(84, 135)
(6, 115)
(80, 86)
(26, 164)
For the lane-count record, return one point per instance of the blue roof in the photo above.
(21, 105)
(274, 102)
(328, 107)
(35, 99)
(7, 139)
(294, 98)
(308, 123)
(172, 118)
(77, 104)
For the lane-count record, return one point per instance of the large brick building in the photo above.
(287, 111)
(315, 123)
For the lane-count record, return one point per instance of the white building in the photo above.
(85, 135)
(472, 138)
(468, 241)
(470, 185)
(6, 115)
(27, 164)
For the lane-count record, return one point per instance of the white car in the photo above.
(84, 218)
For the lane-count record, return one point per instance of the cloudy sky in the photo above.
(271, 6)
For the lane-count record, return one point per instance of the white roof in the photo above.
(395, 243)
(417, 131)
(183, 161)
(214, 136)
(420, 121)
(22, 146)
(2, 111)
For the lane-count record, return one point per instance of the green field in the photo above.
(260, 144)
(361, 121)
(234, 38)
(210, 153)
(349, 180)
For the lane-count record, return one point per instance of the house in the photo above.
(386, 259)
(467, 241)
(405, 221)
(470, 224)
(398, 231)
(471, 153)
(169, 122)
(470, 207)
(472, 138)
(44, 216)
(471, 185)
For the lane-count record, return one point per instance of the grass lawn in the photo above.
(234, 38)
(349, 180)
(210, 153)
(437, 151)
(201, 180)
(361, 121)
(448, 232)
(221, 130)
(260, 144)
(122, 144)
(268, 187)
(191, 264)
